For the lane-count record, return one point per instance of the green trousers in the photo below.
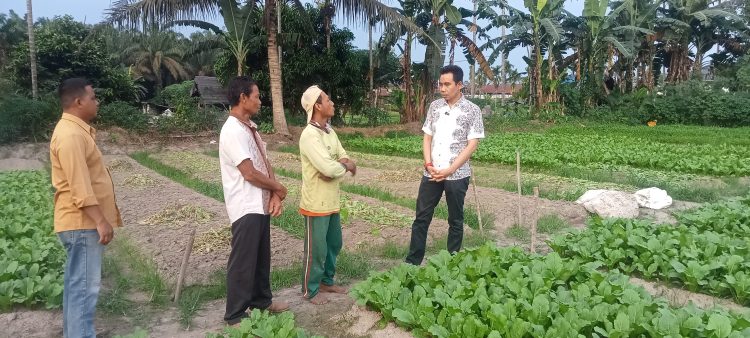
(322, 246)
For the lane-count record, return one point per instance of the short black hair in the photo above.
(456, 71)
(238, 86)
(71, 89)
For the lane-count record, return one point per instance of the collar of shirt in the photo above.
(458, 102)
(85, 126)
(249, 123)
(326, 129)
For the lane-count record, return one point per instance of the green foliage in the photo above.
(123, 115)
(66, 49)
(705, 253)
(176, 94)
(375, 116)
(264, 325)
(31, 257)
(24, 119)
(491, 292)
(555, 150)
(691, 103)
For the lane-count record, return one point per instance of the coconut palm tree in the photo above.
(32, 50)
(158, 57)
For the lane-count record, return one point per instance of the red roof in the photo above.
(499, 89)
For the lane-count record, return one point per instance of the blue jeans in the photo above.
(83, 275)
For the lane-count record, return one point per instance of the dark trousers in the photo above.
(249, 267)
(428, 198)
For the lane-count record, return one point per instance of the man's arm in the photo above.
(427, 154)
(314, 150)
(71, 152)
(259, 179)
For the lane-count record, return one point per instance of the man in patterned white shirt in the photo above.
(452, 129)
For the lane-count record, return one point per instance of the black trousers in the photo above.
(427, 199)
(249, 267)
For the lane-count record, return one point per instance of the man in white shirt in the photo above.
(252, 195)
(452, 129)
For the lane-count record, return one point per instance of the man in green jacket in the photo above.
(324, 163)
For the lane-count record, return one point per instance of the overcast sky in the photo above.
(93, 11)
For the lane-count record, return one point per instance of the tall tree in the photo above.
(32, 50)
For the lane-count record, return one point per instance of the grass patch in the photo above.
(113, 301)
(518, 232)
(441, 211)
(290, 221)
(142, 272)
(193, 297)
(286, 277)
(213, 190)
(289, 149)
(351, 266)
(550, 224)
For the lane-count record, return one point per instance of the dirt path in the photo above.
(165, 243)
(503, 205)
(363, 230)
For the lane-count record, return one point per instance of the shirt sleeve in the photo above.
(71, 152)
(236, 145)
(312, 147)
(341, 151)
(429, 127)
(476, 128)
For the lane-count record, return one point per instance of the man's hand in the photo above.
(275, 206)
(280, 192)
(441, 175)
(350, 165)
(324, 178)
(106, 233)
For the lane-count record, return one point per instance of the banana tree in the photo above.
(686, 22)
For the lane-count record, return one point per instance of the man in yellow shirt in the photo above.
(324, 163)
(85, 209)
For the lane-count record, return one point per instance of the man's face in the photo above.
(449, 89)
(87, 103)
(251, 102)
(325, 107)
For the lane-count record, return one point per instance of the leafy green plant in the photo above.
(555, 150)
(705, 254)
(123, 115)
(31, 257)
(264, 325)
(491, 292)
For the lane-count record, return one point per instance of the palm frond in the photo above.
(197, 24)
(475, 53)
(134, 13)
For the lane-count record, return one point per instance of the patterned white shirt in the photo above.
(451, 129)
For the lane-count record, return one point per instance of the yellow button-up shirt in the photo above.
(79, 176)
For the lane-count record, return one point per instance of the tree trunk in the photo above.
(274, 67)
(452, 51)
(537, 77)
(328, 24)
(32, 50)
(371, 72)
(408, 107)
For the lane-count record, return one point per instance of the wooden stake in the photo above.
(183, 266)
(518, 182)
(476, 203)
(534, 220)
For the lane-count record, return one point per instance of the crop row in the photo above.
(31, 257)
(491, 292)
(554, 150)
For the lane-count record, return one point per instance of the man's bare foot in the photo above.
(319, 299)
(278, 306)
(333, 289)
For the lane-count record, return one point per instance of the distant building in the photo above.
(209, 91)
(500, 91)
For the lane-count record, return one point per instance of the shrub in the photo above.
(123, 115)
(375, 116)
(24, 119)
(175, 94)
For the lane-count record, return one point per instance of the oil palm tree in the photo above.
(158, 57)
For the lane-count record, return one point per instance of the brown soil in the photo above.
(679, 297)
(166, 244)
